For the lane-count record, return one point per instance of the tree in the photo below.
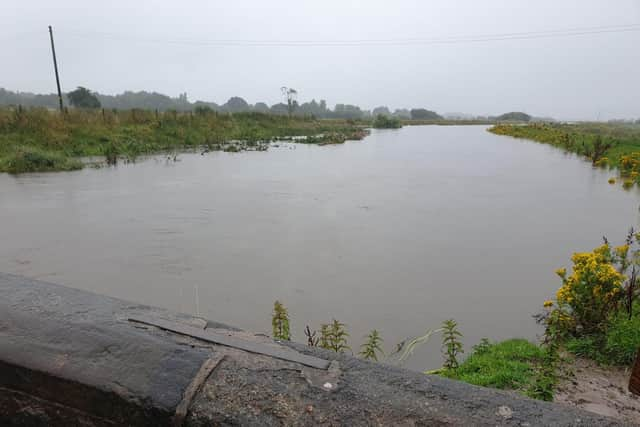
(290, 95)
(83, 98)
(402, 113)
(279, 109)
(261, 107)
(423, 114)
(235, 104)
(382, 110)
(514, 116)
(347, 111)
(386, 122)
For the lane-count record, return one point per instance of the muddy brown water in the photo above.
(397, 232)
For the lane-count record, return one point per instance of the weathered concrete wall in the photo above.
(69, 357)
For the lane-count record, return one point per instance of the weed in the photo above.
(372, 346)
(280, 322)
(334, 336)
(451, 345)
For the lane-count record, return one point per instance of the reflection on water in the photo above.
(396, 232)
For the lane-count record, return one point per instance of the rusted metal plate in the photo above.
(277, 352)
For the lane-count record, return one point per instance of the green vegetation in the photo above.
(514, 116)
(514, 364)
(618, 347)
(596, 311)
(372, 346)
(38, 139)
(32, 159)
(451, 344)
(83, 98)
(508, 364)
(424, 114)
(386, 122)
(605, 145)
(334, 336)
(280, 322)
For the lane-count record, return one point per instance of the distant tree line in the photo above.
(84, 98)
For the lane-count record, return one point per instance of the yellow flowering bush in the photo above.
(596, 312)
(630, 165)
(592, 289)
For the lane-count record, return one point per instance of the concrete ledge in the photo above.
(70, 357)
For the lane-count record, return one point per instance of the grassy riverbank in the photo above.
(604, 144)
(42, 140)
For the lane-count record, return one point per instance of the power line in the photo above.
(370, 42)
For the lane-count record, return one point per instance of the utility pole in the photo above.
(55, 67)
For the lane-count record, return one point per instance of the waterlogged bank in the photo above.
(39, 140)
(606, 145)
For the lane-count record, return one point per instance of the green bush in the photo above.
(386, 122)
(623, 339)
(618, 347)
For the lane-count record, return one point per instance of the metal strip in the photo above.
(282, 353)
(203, 373)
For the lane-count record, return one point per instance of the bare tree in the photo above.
(290, 95)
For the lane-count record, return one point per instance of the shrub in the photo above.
(595, 314)
(590, 293)
(623, 339)
(618, 347)
(386, 122)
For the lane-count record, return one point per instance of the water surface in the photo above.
(396, 232)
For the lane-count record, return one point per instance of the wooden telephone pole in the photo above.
(55, 67)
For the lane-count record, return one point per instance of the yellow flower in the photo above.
(622, 251)
(562, 272)
(548, 303)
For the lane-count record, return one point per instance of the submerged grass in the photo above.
(38, 139)
(31, 159)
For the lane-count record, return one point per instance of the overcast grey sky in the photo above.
(171, 47)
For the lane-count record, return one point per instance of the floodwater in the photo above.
(397, 232)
